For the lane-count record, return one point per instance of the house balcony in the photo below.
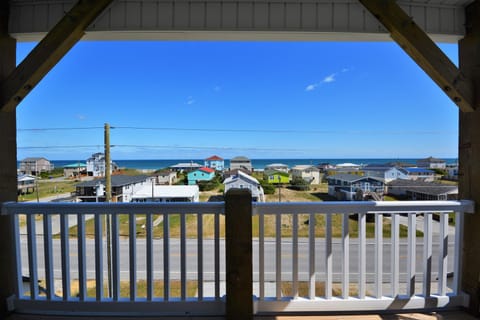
(172, 259)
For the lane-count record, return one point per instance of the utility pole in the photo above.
(108, 198)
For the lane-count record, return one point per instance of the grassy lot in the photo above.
(48, 188)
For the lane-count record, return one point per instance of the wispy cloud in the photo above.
(190, 101)
(328, 79)
(81, 117)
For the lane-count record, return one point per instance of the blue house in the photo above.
(202, 174)
(215, 163)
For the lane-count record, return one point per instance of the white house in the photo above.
(309, 173)
(165, 177)
(245, 181)
(25, 183)
(421, 190)
(96, 165)
(419, 174)
(386, 173)
(158, 193)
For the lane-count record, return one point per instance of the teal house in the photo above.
(275, 177)
(202, 174)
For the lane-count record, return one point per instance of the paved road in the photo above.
(208, 257)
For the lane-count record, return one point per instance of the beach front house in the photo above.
(245, 181)
(276, 167)
(35, 166)
(96, 165)
(276, 177)
(165, 177)
(123, 188)
(309, 173)
(431, 163)
(215, 163)
(419, 174)
(202, 174)
(241, 163)
(351, 187)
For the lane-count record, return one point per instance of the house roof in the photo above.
(207, 170)
(213, 158)
(424, 187)
(243, 176)
(274, 165)
(117, 181)
(431, 160)
(75, 165)
(347, 165)
(417, 170)
(351, 177)
(34, 159)
(303, 167)
(166, 192)
(241, 158)
(25, 177)
(186, 165)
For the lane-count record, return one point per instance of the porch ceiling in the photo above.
(297, 20)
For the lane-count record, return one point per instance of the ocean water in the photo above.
(257, 164)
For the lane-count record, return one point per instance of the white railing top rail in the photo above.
(29, 208)
(466, 206)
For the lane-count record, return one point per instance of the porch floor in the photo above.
(444, 315)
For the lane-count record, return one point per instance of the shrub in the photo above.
(299, 184)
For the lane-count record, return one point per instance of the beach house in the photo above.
(215, 163)
(241, 163)
(74, 169)
(276, 177)
(309, 173)
(351, 187)
(96, 165)
(421, 190)
(35, 166)
(123, 188)
(147, 193)
(431, 163)
(245, 181)
(202, 174)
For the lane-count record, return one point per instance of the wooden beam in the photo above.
(469, 160)
(418, 45)
(68, 31)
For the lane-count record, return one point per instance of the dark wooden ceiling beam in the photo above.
(418, 45)
(66, 33)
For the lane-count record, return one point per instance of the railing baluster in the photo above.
(362, 251)
(99, 257)
(328, 257)
(379, 255)
(82, 262)
(149, 249)
(200, 256)
(311, 256)
(115, 258)
(48, 255)
(65, 249)
(427, 254)
(412, 251)
(278, 255)
(217, 255)
(18, 257)
(166, 257)
(443, 254)
(295, 255)
(346, 257)
(32, 256)
(183, 257)
(132, 236)
(261, 254)
(395, 258)
(457, 268)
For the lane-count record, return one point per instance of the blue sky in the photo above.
(189, 100)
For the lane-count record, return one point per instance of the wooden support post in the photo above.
(469, 159)
(238, 246)
(8, 167)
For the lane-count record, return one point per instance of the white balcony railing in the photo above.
(162, 259)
